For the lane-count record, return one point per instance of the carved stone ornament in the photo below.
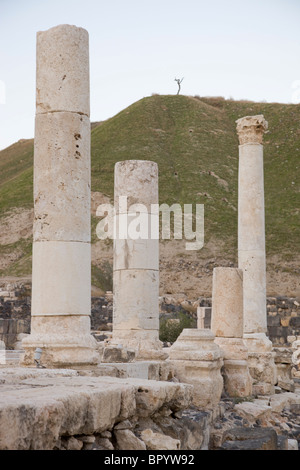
(251, 129)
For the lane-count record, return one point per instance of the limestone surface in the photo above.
(62, 179)
(38, 406)
(251, 249)
(198, 360)
(251, 237)
(157, 441)
(138, 181)
(135, 304)
(227, 303)
(61, 274)
(62, 75)
(136, 261)
(63, 288)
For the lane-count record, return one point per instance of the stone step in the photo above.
(43, 399)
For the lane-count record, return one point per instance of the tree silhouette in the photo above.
(179, 81)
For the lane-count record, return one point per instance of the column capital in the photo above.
(251, 129)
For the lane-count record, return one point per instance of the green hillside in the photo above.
(194, 142)
(194, 139)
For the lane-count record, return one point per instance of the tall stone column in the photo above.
(61, 266)
(227, 326)
(251, 250)
(136, 259)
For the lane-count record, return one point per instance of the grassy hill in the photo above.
(194, 142)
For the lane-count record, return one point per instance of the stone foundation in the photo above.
(198, 361)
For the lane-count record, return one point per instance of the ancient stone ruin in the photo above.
(61, 233)
(251, 251)
(130, 391)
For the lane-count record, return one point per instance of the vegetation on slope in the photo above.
(194, 142)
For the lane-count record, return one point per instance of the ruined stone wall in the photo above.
(283, 313)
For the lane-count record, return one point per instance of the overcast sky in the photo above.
(232, 48)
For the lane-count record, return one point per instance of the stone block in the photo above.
(285, 321)
(136, 254)
(198, 361)
(251, 219)
(126, 440)
(235, 370)
(273, 321)
(62, 77)
(67, 404)
(135, 303)
(253, 411)
(138, 180)
(250, 439)
(65, 341)
(62, 177)
(117, 354)
(227, 303)
(295, 322)
(293, 444)
(255, 310)
(282, 442)
(61, 275)
(158, 441)
(74, 444)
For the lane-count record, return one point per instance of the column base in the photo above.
(197, 361)
(235, 371)
(145, 343)
(261, 363)
(65, 342)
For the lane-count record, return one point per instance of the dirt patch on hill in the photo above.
(15, 225)
(190, 273)
(181, 271)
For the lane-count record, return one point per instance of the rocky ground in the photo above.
(251, 425)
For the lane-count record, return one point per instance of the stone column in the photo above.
(136, 259)
(200, 317)
(227, 325)
(251, 250)
(61, 266)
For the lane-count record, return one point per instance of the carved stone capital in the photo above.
(251, 129)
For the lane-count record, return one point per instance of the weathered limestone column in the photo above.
(227, 325)
(136, 259)
(61, 269)
(251, 251)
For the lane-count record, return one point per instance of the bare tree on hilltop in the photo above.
(179, 81)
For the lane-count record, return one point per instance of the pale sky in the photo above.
(232, 48)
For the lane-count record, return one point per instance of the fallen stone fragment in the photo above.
(126, 440)
(250, 439)
(117, 354)
(157, 441)
(253, 411)
(293, 444)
